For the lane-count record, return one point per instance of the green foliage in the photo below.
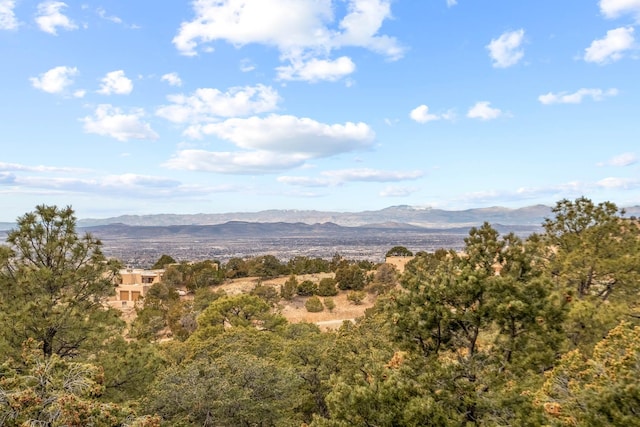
(265, 267)
(314, 305)
(233, 390)
(235, 268)
(350, 277)
(398, 251)
(267, 293)
(289, 289)
(327, 287)
(307, 288)
(236, 311)
(52, 391)
(163, 262)
(356, 297)
(305, 265)
(330, 304)
(385, 278)
(599, 391)
(53, 284)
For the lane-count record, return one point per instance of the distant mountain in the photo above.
(420, 217)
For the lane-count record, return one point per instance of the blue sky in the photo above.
(136, 107)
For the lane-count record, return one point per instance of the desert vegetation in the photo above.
(509, 331)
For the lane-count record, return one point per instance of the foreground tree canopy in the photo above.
(532, 331)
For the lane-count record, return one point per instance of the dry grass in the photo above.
(294, 310)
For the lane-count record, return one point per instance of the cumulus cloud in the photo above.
(15, 167)
(111, 121)
(576, 97)
(50, 17)
(483, 111)
(172, 78)
(624, 159)
(272, 144)
(115, 82)
(56, 80)
(612, 47)
(301, 30)
(290, 134)
(421, 114)
(252, 162)
(397, 191)
(208, 104)
(617, 8)
(341, 176)
(317, 69)
(112, 18)
(8, 20)
(505, 51)
(611, 183)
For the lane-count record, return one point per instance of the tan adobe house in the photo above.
(133, 284)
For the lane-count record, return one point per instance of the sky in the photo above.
(143, 107)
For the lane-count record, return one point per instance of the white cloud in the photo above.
(16, 167)
(80, 93)
(246, 65)
(208, 104)
(111, 121)
(341, 176)
(315, 69)
(49, 17)
(611, 47)
(115, 82)
(482, 110)
(253, 162)
(8, 20)
(290, 134)
(452, 3)
(624, 159)
(396, 191)
(371, 175)
(618, 183)
(576, 97)
(301, 30)
(421, 114)
(505, 51)
(272, 144)
(616, 8)
(172, 78)
(103, 14)
(56, 80)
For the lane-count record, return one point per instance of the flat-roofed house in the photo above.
(133, 284)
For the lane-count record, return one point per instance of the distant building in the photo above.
(132, 285)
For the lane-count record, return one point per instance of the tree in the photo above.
(593, 255)
(307, 288)
(599, 391)
(55, 391)
(53, 285)
(289, 288)
(327, 287)
(593, 250)
(350, 277)
(163, 261)
(398, 251)
(314, 305)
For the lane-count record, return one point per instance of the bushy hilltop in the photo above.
(540, 330)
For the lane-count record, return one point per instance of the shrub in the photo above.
(356, 297)
(327, 287)
(289, 289)
(314, 305)
(329, 304)
(307, 288)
